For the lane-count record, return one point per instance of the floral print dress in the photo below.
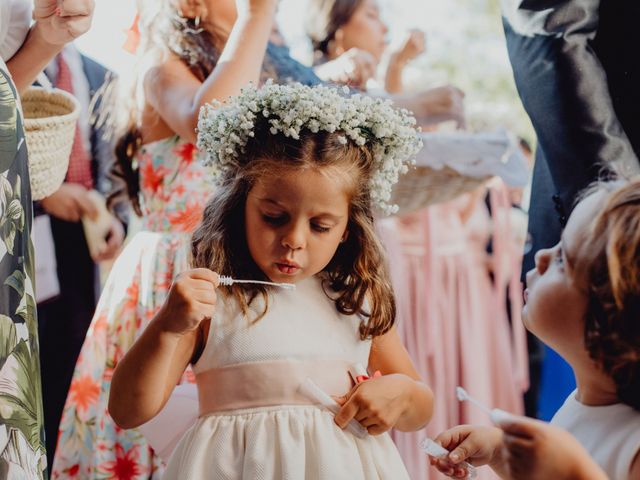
(22, 451)
(174, 190)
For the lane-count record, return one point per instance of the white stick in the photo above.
(309, 389)
(497, 415)
(228, 281)
(435, 450)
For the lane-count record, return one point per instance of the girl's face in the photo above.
(364, 30)
(555, 304)
(295, 222)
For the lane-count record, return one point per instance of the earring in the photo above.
(197, 21)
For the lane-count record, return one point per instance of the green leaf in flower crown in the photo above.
(18, 398)
(8, 338)
(16, 281)
(8, 124)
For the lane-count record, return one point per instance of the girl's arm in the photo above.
(413, 46)
(177, 95)
(146, 376)
(397, 399)
(47, 37)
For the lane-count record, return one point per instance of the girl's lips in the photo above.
(287, 268)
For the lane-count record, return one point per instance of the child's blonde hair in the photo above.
(356, 273)
(608, 266)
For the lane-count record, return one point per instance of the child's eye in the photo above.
(274, 219)
(320, 228)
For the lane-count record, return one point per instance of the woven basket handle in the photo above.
(44, 81)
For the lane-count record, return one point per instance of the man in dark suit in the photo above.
(577, 70)
(64, 319)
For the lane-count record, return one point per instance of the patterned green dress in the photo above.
(22, 451)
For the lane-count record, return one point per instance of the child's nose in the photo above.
(542, 259)
(294, 238)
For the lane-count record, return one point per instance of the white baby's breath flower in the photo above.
(389, 133)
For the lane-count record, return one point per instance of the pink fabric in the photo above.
(268, 383)
(453, 319)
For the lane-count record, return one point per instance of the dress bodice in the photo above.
(173, 184)
(302, 324)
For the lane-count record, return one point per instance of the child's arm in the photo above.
(177, 95)
(397, 399)
(146, 376)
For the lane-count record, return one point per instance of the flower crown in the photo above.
(390, 134)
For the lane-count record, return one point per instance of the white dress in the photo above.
(610, 433)
(254, 424)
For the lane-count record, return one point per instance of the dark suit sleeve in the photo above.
(565, 91)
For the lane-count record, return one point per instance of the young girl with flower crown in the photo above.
(583, 300)
(298, 173)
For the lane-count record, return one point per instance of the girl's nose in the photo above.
(542, 259)
(294, 238)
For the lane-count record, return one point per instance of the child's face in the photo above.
(295, 222)
(555, 305)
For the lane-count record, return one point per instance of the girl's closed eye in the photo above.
(320, 228)
(275, 219)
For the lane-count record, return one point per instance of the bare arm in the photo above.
(146, 376)
(389, 356)
(148, 373)
(177, 95)
(47, 37)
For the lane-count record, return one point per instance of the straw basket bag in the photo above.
(424, 186)
(50, 118)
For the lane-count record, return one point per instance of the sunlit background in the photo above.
(465, 47)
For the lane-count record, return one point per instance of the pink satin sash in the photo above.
(268, 383)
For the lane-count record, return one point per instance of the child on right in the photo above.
(583, 300)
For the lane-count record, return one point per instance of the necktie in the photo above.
(79, 160)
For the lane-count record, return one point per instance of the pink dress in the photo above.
(174, 189)
(453, 319)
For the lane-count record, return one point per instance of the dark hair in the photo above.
(608, 263)
(356, 274)
(163, 31)
(324, 18)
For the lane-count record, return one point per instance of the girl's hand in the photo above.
(535, 450)
(354, 67)
(413, 45)
(252, 7)
(376, 403)
(191, 300)
(62, 21)
(473, 444)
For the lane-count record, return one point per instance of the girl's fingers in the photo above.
(346, 413)
(205, 274)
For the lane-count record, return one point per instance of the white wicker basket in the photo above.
(50, 119)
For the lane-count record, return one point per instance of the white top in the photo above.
(611, 433)
(15, 20)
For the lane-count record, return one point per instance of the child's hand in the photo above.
(192, 299)
(473, 444)
(535, 450)
(376, 403)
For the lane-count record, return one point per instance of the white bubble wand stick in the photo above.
(228, 281)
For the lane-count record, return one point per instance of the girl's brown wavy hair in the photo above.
(356, 278)
(608, 264)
